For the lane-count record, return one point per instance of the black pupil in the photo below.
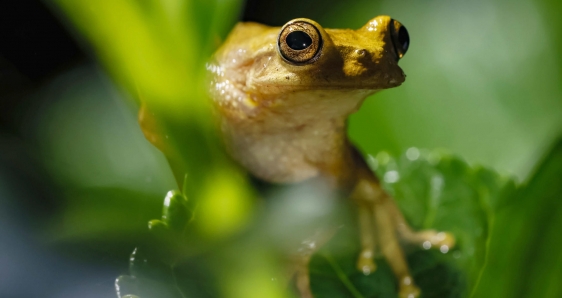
(403, 38)
(298, 40)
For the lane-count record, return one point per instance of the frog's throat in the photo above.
(293, 137)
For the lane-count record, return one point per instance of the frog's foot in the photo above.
(365, 262)
(433, 239)
(407, 288)
(429, 239)
(377, 224)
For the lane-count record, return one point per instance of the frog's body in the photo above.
(283, 99)
(287, 122)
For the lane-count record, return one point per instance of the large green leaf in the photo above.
(525, 258)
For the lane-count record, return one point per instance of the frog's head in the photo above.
(306, 56)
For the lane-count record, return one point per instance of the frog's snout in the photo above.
(400, 38)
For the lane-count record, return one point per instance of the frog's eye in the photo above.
(400, 38)
(299, 42)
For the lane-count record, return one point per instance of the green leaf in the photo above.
(434, 190)
(525, 258)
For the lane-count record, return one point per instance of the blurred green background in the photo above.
(78, 181)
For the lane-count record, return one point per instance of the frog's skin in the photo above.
(283, 116)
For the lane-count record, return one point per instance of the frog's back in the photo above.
(246, 38)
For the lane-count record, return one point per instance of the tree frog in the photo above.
(283, 96)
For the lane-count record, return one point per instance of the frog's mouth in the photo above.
(371, 76)
(349, 75)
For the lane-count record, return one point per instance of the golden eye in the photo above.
(299, 42)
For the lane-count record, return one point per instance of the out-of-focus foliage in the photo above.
(525, 259)
(435, 191)
(482, 82)
(157, 51)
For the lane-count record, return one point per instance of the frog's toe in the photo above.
(409, 292)
(438, 240)
(366, 264)
(408, 289)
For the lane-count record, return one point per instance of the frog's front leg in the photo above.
(376, 223)
(391, 249)
(365, 262)
(380, 220)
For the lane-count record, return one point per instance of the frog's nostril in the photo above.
(400, 38)
(361, 53)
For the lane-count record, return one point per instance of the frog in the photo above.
(283, 96)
